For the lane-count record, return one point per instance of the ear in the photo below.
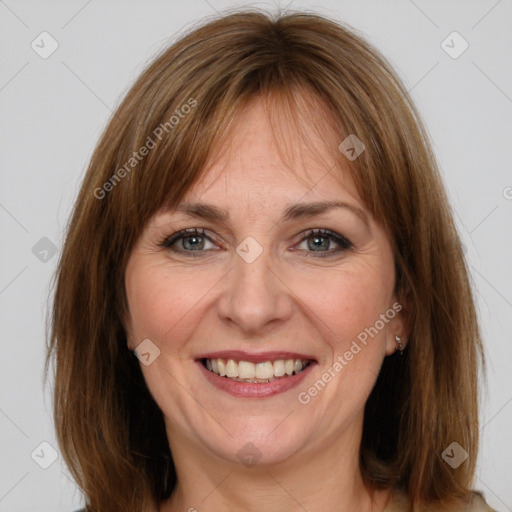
(129, 342)
(127, 324)
(399, 325)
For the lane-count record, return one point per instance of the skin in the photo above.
(284, 300)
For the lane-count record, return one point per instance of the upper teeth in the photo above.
(248, 370)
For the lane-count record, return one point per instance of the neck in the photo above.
(327, 477)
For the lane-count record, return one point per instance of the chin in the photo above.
(258, 449)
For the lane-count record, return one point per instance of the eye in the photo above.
(191, 241)
(318, 242)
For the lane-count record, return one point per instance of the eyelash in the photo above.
(343, 243)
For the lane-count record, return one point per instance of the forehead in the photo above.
(271, 154)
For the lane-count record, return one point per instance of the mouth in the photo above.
(255, 375)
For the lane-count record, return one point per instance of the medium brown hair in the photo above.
(110, 430)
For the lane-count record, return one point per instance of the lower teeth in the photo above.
(258, 381)
(254, 381)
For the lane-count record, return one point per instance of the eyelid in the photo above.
(168, 241)
(344, 244)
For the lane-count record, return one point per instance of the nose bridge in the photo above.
(254, 296)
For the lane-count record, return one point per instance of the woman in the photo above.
(262, 301)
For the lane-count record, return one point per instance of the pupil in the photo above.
(320, 245)
(195, 242)
(193, 238)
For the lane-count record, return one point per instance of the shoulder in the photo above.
(399, 502)
(478, 504)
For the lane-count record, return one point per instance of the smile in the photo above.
(255, 375)
(262, 372)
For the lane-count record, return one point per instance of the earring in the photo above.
(399, 345)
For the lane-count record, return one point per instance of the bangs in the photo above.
(299, 119)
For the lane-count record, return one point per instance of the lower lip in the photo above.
(253, 390)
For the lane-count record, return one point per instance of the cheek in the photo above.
(166, 305)
(347, 311)
(346, 302)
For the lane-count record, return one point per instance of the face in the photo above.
(265, 293)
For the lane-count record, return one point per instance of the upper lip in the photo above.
(255, 357)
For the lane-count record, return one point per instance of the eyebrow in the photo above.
(292, 212)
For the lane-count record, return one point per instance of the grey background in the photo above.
(53, 111)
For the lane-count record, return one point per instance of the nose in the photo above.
(255, 297)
